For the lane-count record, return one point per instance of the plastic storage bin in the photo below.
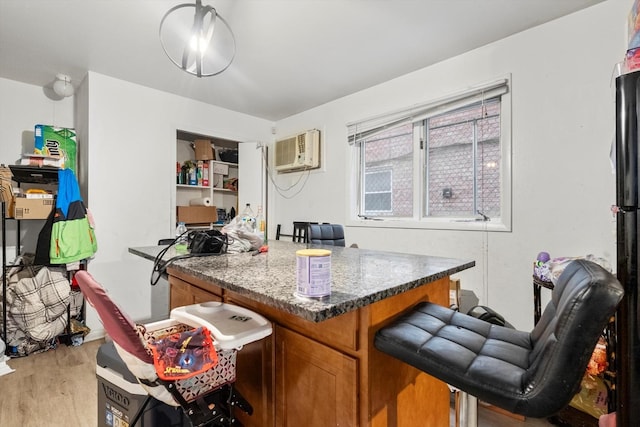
(120, 396)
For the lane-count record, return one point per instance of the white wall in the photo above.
(22, 106)
(127, 137)
(562, 127)
(131, 180)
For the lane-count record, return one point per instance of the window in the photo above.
(444, 164)
(463, 153)
(378, 190)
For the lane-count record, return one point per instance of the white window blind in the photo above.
(368, 128)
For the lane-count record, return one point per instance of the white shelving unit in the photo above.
(221, 198)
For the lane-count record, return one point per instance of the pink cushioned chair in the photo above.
(207, 399)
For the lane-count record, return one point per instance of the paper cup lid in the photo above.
(313, 252)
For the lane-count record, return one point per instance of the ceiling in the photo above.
(292, 55)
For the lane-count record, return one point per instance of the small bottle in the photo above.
(261, 225)
(249, 217)
(199, 175)
(193, 175)
(182, 241)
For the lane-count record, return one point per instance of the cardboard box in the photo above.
(204, 150)
(57, 142)
(6, 190)
(197, 214)
(33, 208)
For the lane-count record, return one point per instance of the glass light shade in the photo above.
(197, 39)
(62, 86)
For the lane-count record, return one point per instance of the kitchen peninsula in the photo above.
(320, 368)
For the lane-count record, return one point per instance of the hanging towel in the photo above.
(72, 236)
(68, 190)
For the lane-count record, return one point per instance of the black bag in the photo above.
(207, 242)
(201, 243)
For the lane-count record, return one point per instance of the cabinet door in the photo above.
(200, 296)
(180, 294)
(254, 374)
(316, 386)
(183, 293)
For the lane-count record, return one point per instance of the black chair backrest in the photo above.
(300, 231)
(533, 373)
(326, 234)
(582, 303)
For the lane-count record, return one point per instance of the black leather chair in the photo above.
(326, 234)
(533, 373)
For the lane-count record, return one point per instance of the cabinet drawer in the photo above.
(339, 332)
(183, 293)
(200, 296)
(178, 277)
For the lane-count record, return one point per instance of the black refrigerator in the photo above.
(627, 354)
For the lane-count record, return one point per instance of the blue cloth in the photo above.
(68, 190)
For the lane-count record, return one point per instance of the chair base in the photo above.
(466, 409)
(214, 410)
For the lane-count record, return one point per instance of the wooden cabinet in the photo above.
(183, 293)
(329, 373)
(255, 370)
(316, 386)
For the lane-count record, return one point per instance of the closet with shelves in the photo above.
(205, 181)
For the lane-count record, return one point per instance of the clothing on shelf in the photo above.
(72, 236)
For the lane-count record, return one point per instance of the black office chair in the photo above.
(533, 373)
(326, 234)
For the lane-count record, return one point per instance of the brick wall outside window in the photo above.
(450, 163)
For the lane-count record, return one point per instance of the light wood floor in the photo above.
(489, 418)
(54, 388)
(58, 388)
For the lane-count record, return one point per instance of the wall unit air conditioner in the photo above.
(298, 152)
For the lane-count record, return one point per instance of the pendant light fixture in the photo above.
(62, 86)
(197, 39)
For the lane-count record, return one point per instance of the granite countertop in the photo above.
(359, 277)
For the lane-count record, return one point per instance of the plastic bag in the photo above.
(242, 236)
